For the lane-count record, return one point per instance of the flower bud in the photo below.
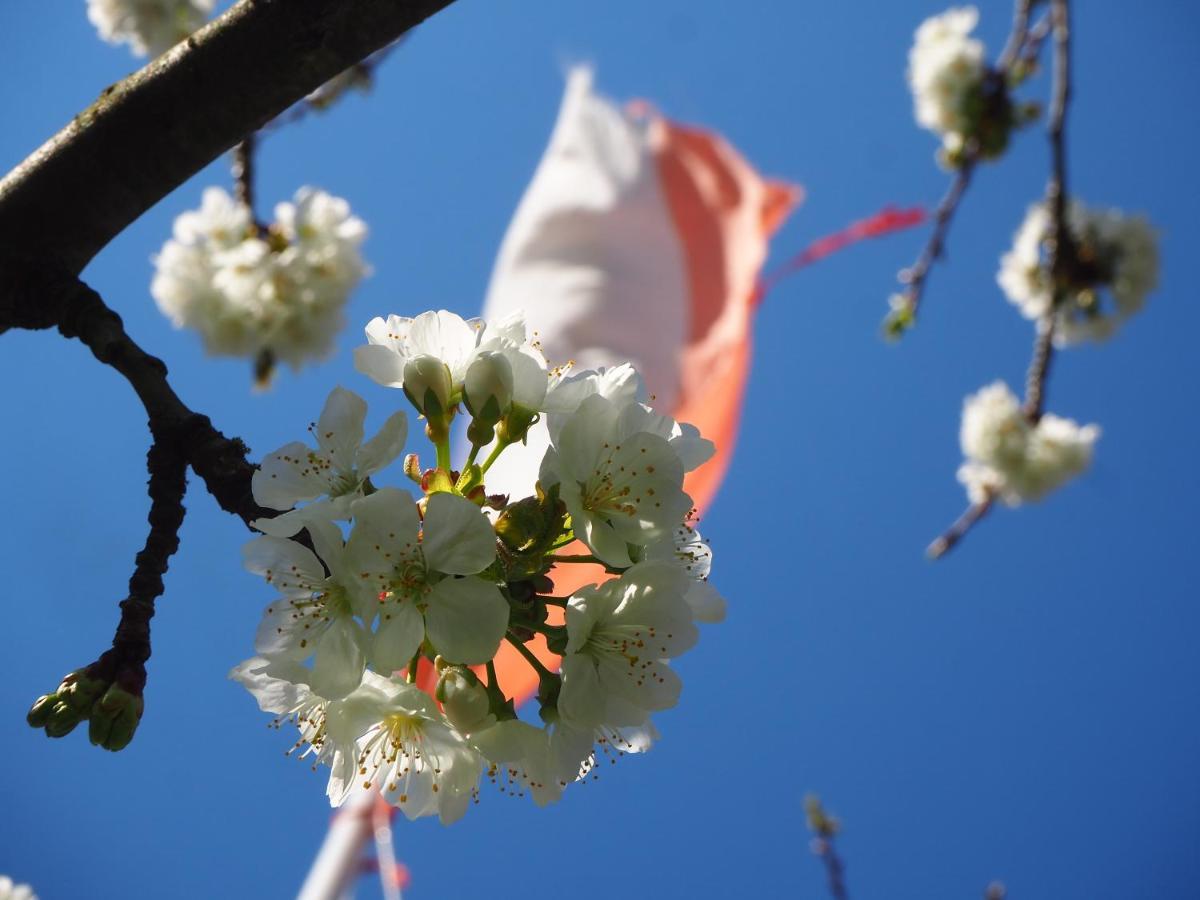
(62, 719)
(115, 718)
(488, 387)
(464, 700)
(428, 386)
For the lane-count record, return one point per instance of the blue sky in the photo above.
(1024, 710)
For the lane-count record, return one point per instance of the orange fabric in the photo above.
(724, 214)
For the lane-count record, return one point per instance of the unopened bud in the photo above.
(464, 699)
(39, 713)
(115, 718)
(62, 719)
(412, 467)
(428, 386)
(488, 387)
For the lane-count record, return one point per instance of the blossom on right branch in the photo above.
(1014, 459)
(956, 94)
(1114, 266)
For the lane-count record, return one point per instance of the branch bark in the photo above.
(148, 134)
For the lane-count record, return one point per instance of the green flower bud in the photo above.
(39, 713)
(428, 386)
(62, 719)
(464, 699)
(115, 718)
(488, 387)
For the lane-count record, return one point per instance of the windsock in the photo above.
(637, 240)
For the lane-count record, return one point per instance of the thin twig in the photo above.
(243, 175)
(955, 533)
(825, 828)
(915, 276)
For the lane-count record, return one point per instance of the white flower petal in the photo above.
(292, 474)
(340, 427)
(401, 630)
(381, 364)
(340, 659)
(458, 538)
(383, 449)
(466, 619)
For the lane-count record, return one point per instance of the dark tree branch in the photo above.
(149, 133)
(1062, 257)
(243, 175)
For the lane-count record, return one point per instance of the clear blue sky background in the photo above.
(1025, 710)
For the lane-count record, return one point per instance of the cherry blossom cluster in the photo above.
(149, 27)
(1116, 267)
(1010, 457)
(10, 890)
(956, 94)
(250, 289)
(393, 604)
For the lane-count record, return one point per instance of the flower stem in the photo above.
(443, 454)
(493, 456)
(542, 671)
(412, 667)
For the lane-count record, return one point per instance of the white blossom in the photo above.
(414, 756)
(317, 615)
(619, 635)
(425, 580)
(688, 550)
(1009, 457)
(10, 890)
(337, 469)
(621, 481)
(1117, 256)
(281, 292)
(397, 340)
(945, 72)
(328, 729)
(149, 27)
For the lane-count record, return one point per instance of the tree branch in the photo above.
(148, 134)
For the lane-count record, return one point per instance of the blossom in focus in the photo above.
(621, 482)
(946, 70)
(463, 574)
(395, 342)
(1010, 457)
(10, 890)
(317, 614)
(281, 291)
(338, 469)
(619, 636)
(415, 757)
(1116, 267)
(424, 578)
(688, 550)
(149, 27)
(328, 729)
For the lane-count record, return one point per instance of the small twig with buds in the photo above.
(825, 828)
(1062, 261)
(108, 692)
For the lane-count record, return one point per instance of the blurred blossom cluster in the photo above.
(250, 289)
(381, 645)
(149, 27)
(1012, 458)
(1115, 255)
